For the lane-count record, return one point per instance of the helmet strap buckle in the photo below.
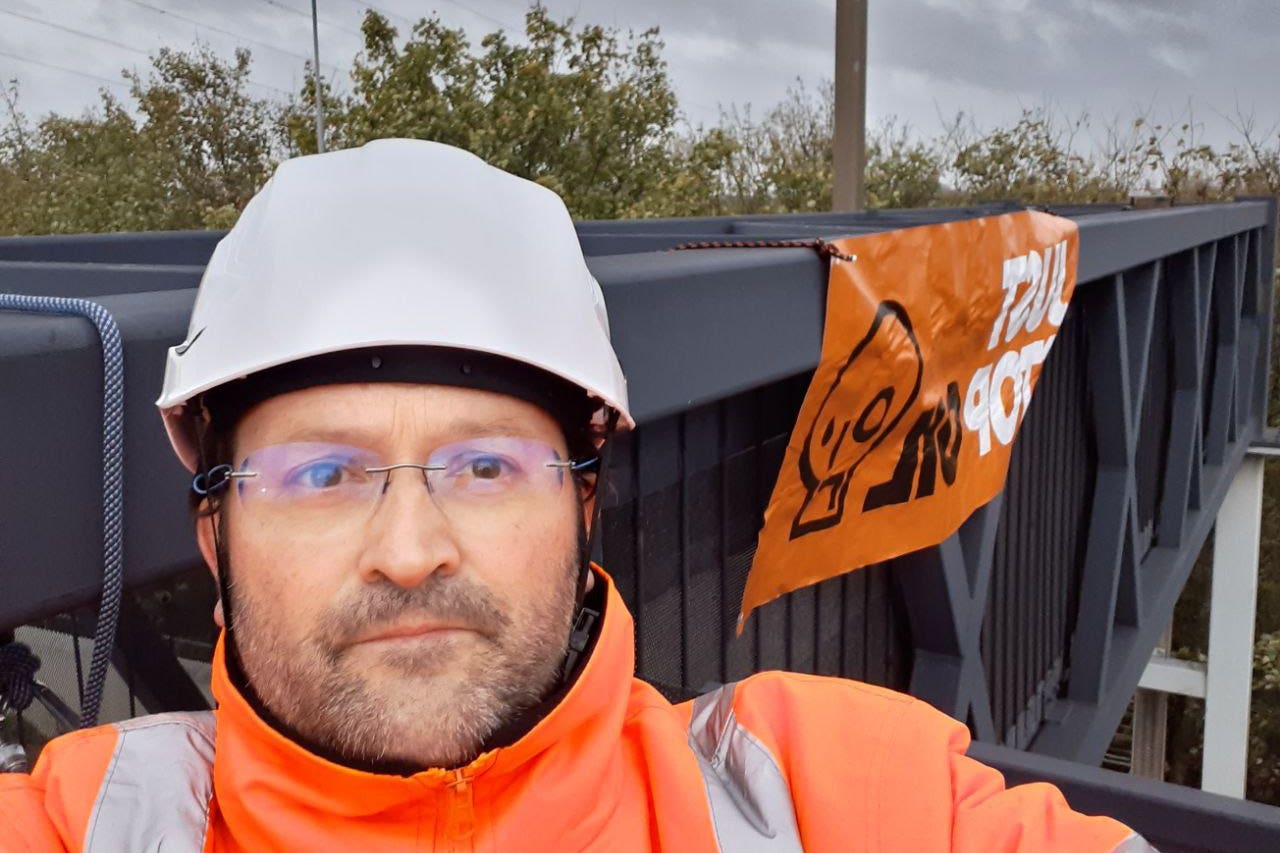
(579, 637)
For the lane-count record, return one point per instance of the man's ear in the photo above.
(205, 539)
(588, 511)
(588, 516)
(209, 551)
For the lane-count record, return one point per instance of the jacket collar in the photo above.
(257, 769)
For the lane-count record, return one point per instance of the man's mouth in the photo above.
(406, 632)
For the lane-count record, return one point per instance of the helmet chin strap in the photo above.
(221, 563)
(585, 618)
(224, 585)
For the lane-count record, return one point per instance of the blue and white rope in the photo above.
(18, 666)
(104, 634)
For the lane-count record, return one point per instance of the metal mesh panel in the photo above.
(680, 526)
(702, 547)
(658, 553)
(1039, 548)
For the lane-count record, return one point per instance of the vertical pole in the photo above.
(1232, 605)
(1150, 722)
(848, 144)
(315, 44)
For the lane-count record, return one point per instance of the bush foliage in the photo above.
(585, 110)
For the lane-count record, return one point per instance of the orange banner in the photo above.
(934, 340)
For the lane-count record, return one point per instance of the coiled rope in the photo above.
(824, 248)
(18, 665)
(104, 634)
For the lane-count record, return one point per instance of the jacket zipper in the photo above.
(461, 821)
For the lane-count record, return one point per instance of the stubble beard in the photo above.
(430, 707)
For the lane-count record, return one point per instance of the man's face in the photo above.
(403, 629)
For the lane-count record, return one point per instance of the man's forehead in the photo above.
(365, 413)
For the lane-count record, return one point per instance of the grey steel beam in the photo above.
(1190, 272)
(1266, 261)
(89, 281)
(1114, 242)
(51, 502)
(1227, 288)
(792, 283)
(701, 325)
(138, 247)
(1111, 241)
(1172, 817)
(946, 590)
(1118, 319)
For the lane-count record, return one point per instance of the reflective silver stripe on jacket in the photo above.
(750, 801)
(1135, 843)
(158, 787)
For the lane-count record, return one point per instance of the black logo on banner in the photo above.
(850, 425)
(933, 446)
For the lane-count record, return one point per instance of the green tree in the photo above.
(902, 170)
(795, 165)
(579, 110)
(194, 155)
(695, 180)
(68, 175)
(213, 144)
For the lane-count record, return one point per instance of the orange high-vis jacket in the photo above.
(777, 762)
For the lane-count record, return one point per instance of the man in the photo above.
(394, 395)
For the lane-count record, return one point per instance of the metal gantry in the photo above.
(1033, 623)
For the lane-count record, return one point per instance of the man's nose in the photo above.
(408, 538)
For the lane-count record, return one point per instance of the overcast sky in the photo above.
(989, 58)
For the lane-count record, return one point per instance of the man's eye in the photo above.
(486, 468)
(320, 475)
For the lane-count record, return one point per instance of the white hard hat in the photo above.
(399, 242)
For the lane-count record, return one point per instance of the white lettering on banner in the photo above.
(988, 407)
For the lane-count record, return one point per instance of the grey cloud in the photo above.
(987, 57)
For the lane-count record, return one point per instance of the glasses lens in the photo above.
(493, 470)
(309, 475)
